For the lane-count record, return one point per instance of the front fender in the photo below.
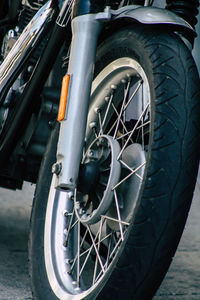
(153, 15)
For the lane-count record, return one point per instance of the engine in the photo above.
(28, 9)
(24, 162)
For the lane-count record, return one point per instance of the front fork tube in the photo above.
(85, 32)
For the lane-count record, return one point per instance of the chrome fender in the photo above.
(152, 15)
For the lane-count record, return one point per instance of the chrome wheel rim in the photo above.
(80, 250)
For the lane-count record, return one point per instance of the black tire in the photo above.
(170, 174)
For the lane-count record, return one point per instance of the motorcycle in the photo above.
(100, 107)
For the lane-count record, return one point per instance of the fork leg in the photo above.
(85, 31)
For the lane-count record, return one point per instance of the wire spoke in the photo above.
(126, 105)
(133, 94)
(70, 225)
(115, 248)
(76, 257)
(143, 125)
(122, 122)
(110, 255)
(130, 169)
(102, 240)
(124, 135)
(133, 172)
(89, 251)
(122, 108)
(96, 250)
(112, 127)
(78, 254)
(115, 220)
(100, 122)
(118, 215)
(133, 130)
(106, 114)
(107, 259)
(130, 132)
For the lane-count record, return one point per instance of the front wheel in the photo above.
(115, 236)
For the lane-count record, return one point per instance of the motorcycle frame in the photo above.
(88, 19)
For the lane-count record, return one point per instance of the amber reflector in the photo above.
(63, 97)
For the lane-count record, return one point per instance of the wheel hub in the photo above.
(100, 172)
(88, 177)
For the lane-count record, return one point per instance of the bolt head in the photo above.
(56, 168)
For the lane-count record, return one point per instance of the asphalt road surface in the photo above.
(181, 283)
